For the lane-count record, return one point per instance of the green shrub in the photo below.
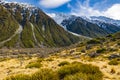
(101, 50)
(45, 74)
(109, 36)
(81, 76)
(49, 59)
(76, 62)
(40, 59)
(3, 59)
(74, 71)
(34, 65)
(94, 41)
(113, 62)
(63, 63)
(92, 72)
(18, 77)
(118, 43)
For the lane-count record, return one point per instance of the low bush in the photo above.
(40, 59)
(18, 77)
(76, 62)
(94, 41)
(78, 76)
(49, 59)
(109, 36)
(113, 62)
(72, 70)
(45, 74)
(63, 63)
(118, 43)
(34, 65)
(3, 59)
(101, 50)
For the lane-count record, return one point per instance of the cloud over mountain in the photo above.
(53, 3)
(84, 9)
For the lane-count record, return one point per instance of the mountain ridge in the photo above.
(38, 29)
(104, 25)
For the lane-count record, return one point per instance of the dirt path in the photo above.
(18, 31)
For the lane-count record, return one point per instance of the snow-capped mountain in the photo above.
(23, 25)
(15, 5)
(106, 20)
(60, 17)
(110, 25)
(102, 24)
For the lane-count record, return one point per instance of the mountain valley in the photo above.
(37, 46)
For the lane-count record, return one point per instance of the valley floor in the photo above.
(13, 66)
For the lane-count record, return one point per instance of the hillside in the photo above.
(82, 27)
(96, 59)
(23, 25)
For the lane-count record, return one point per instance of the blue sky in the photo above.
(109, 8)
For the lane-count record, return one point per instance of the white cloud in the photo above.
(113, 12)
(53, 3)
(83, 9)
(52, 15)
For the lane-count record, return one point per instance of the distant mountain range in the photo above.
(23, 25)
(90, 27)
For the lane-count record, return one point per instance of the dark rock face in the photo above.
(83, 27)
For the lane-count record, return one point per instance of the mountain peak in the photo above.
(23, 5)
(28, 26)
(106, 20)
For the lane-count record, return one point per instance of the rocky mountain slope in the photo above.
(91, 27)
(23, 25)
(110, 25)
(106, 20)
(82, 27)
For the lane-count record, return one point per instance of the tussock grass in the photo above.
(77, 71)
(73, 71)
(113, 62)
(63, 63)
(34, 65)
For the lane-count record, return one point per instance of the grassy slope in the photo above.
(8, 24)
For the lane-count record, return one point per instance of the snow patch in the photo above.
(43, 27)
(33, 32)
